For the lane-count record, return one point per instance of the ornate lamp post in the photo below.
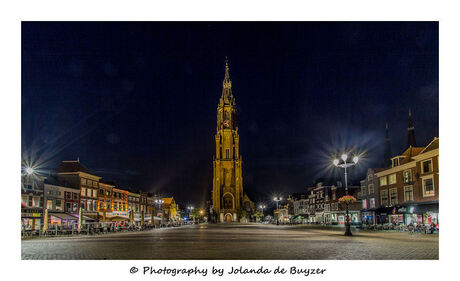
(277, 199)
(344, 166)
(158, 202)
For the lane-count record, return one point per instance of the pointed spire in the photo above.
(227, 74)
(227, 83)
(227, 97)
(410, 132)
(387, 153)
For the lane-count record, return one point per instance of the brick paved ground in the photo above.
(236, 241)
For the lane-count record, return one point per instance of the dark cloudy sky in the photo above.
(136, 102)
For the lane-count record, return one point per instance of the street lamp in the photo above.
(277, 199)
(344, 166)
(159, 202)
(262, 207)
(190, 209)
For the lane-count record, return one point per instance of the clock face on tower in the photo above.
(227, 123)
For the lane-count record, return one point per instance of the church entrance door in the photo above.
(228, 218)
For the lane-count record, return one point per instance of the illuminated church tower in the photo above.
(227, 191)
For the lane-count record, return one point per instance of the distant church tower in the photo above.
(387, 154)
(227, 191)
(410, 132)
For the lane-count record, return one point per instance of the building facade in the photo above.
(369, 196)
(227, 192)
(61, 201)
(409, 190)
(32, 202)
(80, 177)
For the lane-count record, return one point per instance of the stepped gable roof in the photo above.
(72, 167)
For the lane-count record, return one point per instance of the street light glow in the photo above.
(355, 159)
(335, 162)
(30, 170)
(344, 157)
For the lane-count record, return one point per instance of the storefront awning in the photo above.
(83, 217)
(63, 216)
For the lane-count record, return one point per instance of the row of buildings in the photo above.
(404, 191)
(74, 189)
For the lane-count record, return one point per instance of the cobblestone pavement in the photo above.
(239, 242)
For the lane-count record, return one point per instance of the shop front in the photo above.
(62, 220)
(354, 217)
(368, 217)
(118, 218)
(429, 213)
(415, 214)
(396, 218)
(31, 218)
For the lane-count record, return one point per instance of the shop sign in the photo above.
(402, 210)
(118, 214)
(35, 215)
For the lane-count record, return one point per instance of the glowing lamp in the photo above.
(344, 157)
(29, 170)
(355, 159)
(336, 162)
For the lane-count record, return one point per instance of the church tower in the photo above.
(410, 132)
(227, 191)
(387, 153)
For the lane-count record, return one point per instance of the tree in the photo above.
(258, 214)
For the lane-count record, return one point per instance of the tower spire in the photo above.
(410, 131)
(387, 153)
(227, 95)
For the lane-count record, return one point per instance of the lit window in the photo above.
(364, 204)
(49, 204)
(383, 181)
(393, 196)
(392, 179)
(428, 187)
(25, 199)
(407, 176)
(36, 201)
(384, 197)
(408, 193)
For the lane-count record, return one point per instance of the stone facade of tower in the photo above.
(227, 191)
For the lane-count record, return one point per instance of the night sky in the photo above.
(136, 102)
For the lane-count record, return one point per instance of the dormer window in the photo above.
(397, 161)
